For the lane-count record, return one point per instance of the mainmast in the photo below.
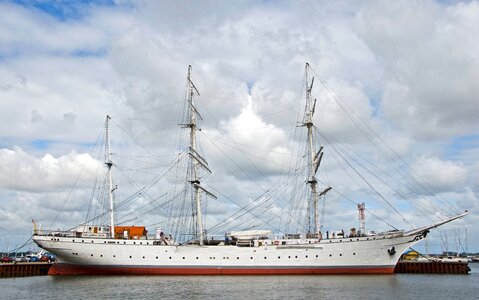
(196, 160)
(111, 189)
(313, 224)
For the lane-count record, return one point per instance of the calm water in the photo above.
(400, 286)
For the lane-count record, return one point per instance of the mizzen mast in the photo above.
(111, 189)
(196, 161)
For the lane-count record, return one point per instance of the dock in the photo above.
(23, 269)
(432, 267)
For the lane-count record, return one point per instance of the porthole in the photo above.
(101, 255)
(295, 256)
(340, 254)
(130, 256)
(183, 257)
(354, 253)
(306, 256)
(170, 257)
(316, 256)
(330, 255)
(91, 254)
(196, 257)
(251, 257)
(114, 255)
(143, 257)
(157, 257)
(237, 258)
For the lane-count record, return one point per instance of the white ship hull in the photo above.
(372, 255)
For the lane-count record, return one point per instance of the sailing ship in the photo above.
(123, 250)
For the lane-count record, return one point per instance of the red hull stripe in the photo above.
(68, 269)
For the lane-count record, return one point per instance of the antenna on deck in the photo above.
(362, 221)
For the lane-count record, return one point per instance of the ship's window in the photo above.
(306, 256)
(330, 255)
(82, 241)
(384, 237)
(157, 257)
(357, 239)
(101, 255)
(91, 254)
(114, 255)
(143, 257)
(316, 256)
(367, 239)
(197, 257)
(183, 257)
(265, 257)
(295, 256)
(374, 238)
(103, 242)
(170, 257)
(147, 243)
(254, 250)
(350, 240)
(340, 241)
(289, 256)
(330, 241)
(354, 253)
(134, 243)
(141, 243)
(251, 257)
(117, 242)
(279, 257)
(124, 242)
(237, 257)
(73, 240)
(340, 255)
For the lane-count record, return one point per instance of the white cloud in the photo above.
(439, 174)
(22, 172)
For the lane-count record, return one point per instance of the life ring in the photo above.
(276, 243)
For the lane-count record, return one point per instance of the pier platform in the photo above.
(432, 267)
(22, 269)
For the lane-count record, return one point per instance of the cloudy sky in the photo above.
(396, 76)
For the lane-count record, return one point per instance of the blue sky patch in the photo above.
(64, 9)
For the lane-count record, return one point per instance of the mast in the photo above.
(313, 223)
(196, 160)
(111, 189)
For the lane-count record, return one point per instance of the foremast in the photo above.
(111, 189)
(313, 222)
(196, 161)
